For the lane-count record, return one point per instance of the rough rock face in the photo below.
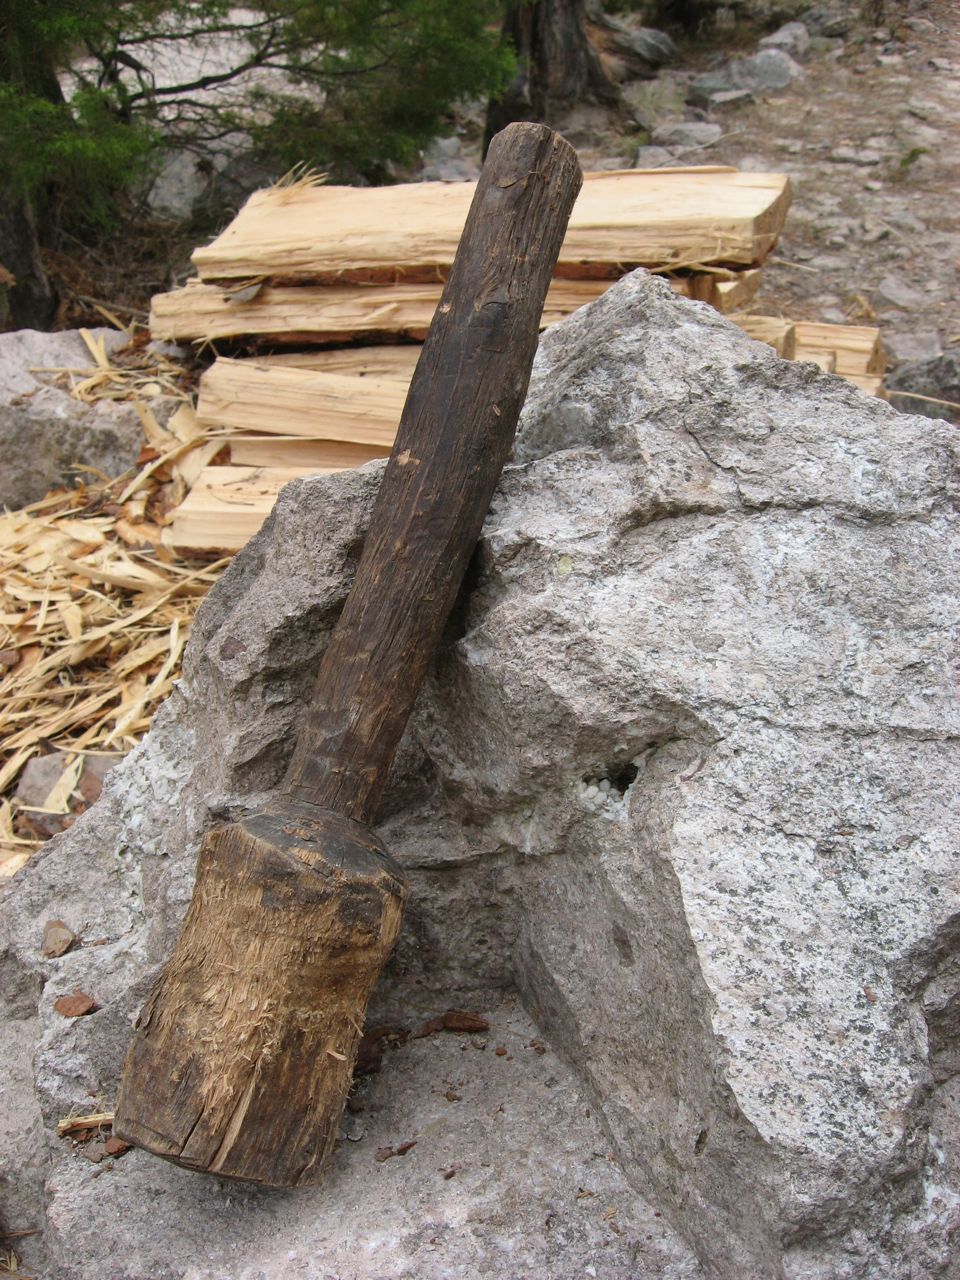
(681, 778)
(44, 433)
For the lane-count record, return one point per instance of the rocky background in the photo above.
(677, 807)
(866, 121)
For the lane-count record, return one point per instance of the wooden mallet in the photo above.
(244, 1052)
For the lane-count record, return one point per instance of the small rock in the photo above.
(650, 45)
(938, 378)
(892, 291)
(443, 161)
(922, 110)
(825, 45)
(40, 775)
(387, 1153)
(44, 432)
(768, 71)
(352, 1128)
(729, 98)
(704, 88)
(793, 38)
(693, 133)
(76, 1006)
(58, 938)
(95, 770)
(825, 20)
(874, 232)
(94, 1151)
(920, 344)
(920, 135)
(827, 262)
(652, 101)
(654, 158)
(850, 155)
(115, 1146)
(447, 148)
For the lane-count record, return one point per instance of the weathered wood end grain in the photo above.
(245, 1049)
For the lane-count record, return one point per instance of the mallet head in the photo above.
(244, 1051)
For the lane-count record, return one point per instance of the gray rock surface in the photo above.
(793, 38)
(444, 161)
(44, 432)
(831, 20)
(917, 344)
(652, 101)
(681, 777)
(894, 291)
(766, 71)
(655, 157)
(687, 133)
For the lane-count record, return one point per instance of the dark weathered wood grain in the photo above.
(455, 434)
(243, 1054)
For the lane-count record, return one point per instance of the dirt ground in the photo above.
(871, 141)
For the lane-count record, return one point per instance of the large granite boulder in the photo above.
(681, 780)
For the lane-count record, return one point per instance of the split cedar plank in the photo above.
(307, 314)
(729, 295)
(251, 395)
(773, 330)
(826, 360)
(332, 313)
(275, 451)
(870, 382)
(622, 218)
(227, 505)
(858, 348)
(393, 362)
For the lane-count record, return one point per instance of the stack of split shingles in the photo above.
(306, 268)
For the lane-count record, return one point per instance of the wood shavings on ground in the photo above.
(136, 372)
(94, 610)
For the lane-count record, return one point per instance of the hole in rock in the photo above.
(623, 776)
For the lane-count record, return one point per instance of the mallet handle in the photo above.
(455, 434)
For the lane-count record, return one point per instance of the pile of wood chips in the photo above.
(94, 608)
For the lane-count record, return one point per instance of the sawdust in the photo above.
(95, 609)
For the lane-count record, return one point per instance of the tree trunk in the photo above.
(24, 65)
(31, 299)
(557, 66)
(568, 52)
